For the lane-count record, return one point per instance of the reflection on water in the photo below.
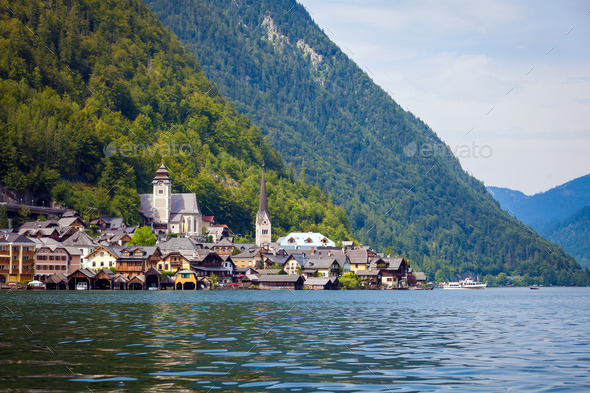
(353, 341)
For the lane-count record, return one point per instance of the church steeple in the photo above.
(263, 226)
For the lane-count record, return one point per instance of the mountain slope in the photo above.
(95, 94)
(345, 134)
(546, 207)
(573, 235)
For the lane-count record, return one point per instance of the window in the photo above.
(291, 240)
(1, 267)
(102, 254)
(63, 267)
(50, 267)
(160, 192)
(308, 240)
(101, 263)
(265, 231)
(93, 263)
(185, 275)
(14, 267)
(111, 264)
(25, 258)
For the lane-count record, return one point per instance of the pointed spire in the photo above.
(263, 204)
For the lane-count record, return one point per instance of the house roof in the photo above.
(56, 278)
(178, 244)
(139, 277)
(305, 239)
(225, 242)
(279, 278)
(18, 240)
(358, 256)
(393, 263)
(367, 273)
(79, 239)
(320, 263)
(248, 254)
(68, 221)
(317, 280)
(420, 276)
(331, 252)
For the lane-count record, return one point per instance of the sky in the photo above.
(506, 84)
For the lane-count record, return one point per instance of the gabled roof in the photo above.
(225, 242)
(248, 254)
(79, 239)
(279, 278)
(185, 203)
(305, 239)
(358, 256)
(177, 244)
(420, 276)
(320, 263)
(365, 273)
(68, 221)
(139, 277)
(57, 278)
(318, 280)
(393, 263)
(18, 240)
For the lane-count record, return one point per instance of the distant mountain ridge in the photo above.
(553, 205)
(561, 214)
(336, 128)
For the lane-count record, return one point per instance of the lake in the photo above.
(500, 339)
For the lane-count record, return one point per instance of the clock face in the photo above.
(160, 184)
(264, 222)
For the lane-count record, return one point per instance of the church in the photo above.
(168, 212)
(263, 226)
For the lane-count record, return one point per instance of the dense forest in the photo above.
(340, 131)
(573, 234)
(95, 94)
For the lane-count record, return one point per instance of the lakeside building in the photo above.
(304, 241)
(17, 259)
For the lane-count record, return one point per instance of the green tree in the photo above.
(144, 237)
(24, 215)
(213, 279)
(502, 279)
(349, 281)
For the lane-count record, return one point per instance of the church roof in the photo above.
(185, 203)
(161, 174)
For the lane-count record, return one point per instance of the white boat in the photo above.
(82, 286)
(468, 283)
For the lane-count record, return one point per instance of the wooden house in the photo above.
(81, 276)
(152, 278)
(393, 271)
(327, 267)
(57, 281)
(369, 279)
(325, 283)
(136, 283)
(280, 281)
(137, 260)
(212, 263)
(104, 279)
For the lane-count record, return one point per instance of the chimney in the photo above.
(312, 251)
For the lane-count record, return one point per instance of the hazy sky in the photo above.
(506, 84)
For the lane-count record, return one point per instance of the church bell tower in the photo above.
(263, 227)
(162, 196)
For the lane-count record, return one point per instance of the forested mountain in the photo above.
(95, 94)
(573, 234)
(546, 207)
(346, 135)
(561, 214)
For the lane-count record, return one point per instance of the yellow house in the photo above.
(17, 259)
(101, 257)
(174, 261)
(249, 258)
(185, 280)
(359, 260)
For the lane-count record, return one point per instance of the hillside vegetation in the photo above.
(346, 135)
(95, 94)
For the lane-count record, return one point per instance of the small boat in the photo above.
(468, 283)
(82, 286)
(32, 285)
(534, 287)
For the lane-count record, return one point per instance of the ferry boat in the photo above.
(468, 283)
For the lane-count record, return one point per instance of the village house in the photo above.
(249, 258)
(75, 222)
(393, 271)
(212, 263)
(369, 279)
(55, 259)
(81, 278)
(225, 246)
(359, 259)
(280, 281)
(135, 260)
(292, 265)
(323, 283)
(84, 243)
(17, 259)
(185, 280)
(318, 266)
(100, 257)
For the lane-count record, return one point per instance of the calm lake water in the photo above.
(502, 340)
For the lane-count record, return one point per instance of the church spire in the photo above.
(263, 225)
(263, 203)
